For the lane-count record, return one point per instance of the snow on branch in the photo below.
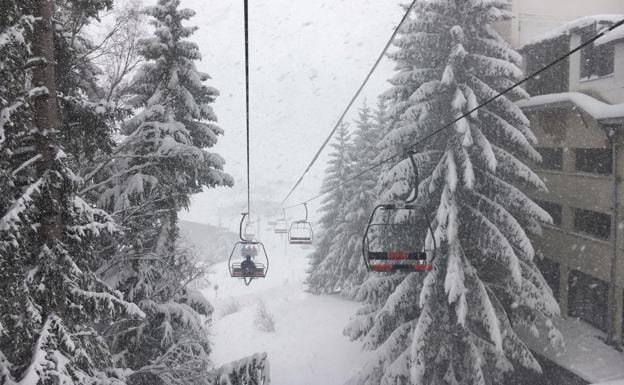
(106, 302)
(12, 216)
(184, 363)
(5, 115)
(253, 370)
(49, 356)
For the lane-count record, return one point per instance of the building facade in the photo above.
(534, 18)
(577, 113)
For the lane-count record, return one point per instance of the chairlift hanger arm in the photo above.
(410, 154)
(240, 229)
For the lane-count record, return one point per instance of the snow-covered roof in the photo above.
(614, 382)
(616, 34)
(586, 354)
(600, 111)
(568, 27)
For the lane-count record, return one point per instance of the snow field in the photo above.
(308, 346)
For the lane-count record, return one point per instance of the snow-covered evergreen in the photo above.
(159, 163)
(340, 165)
(87, 121)
(60, 321)
(52, 306)
(252, 370)
(361, 196)
(458, 327)
(337, 261)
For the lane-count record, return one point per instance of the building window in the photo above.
(592, 223)
(588, 299)
(550, 271)
(552, 158)
(596, 61)
(554, 209)
(594, 160)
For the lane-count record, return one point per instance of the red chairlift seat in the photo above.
(397, 246)
(398, 240)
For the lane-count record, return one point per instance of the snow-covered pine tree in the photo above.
(159, 163)
(332, 207)
(87, 121)
(371, 321)
(474, 179)
(252, 370)
(382, 120)
(53, 307)
(343, 269)
(370, 125)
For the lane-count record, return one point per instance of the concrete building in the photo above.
(534, 18)
(577, 113)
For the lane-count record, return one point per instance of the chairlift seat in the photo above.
(300, 233)
(249, 250)
(386, 267)
(398, 255)
(396, 241)
(255, 272)
(281, 227)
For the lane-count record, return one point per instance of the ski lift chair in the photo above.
(300, 232)
(249, 251)
(250, 230)
(281, 226)
(395, 237)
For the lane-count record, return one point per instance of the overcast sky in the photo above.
(307, 58)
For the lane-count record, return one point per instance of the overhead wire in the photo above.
(350, 104)
(246, 17)
(465, 115)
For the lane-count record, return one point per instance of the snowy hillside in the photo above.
(211, 243)
(307, 346)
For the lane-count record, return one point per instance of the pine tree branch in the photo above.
(26, 164)
(117, 175)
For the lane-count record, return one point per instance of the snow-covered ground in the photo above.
(307, 346)
(585, 354)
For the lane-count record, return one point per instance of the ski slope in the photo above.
(307, 346)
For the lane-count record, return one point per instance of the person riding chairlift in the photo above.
(248, 264)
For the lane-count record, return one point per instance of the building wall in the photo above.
(568, 129)
(533, 18)
(609, 88)
(572, 257)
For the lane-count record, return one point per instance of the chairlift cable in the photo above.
(465, 115)
(247, 247)
(246, 16)
(353, 99)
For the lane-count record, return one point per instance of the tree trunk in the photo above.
(46, 117)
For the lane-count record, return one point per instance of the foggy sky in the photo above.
(307, 59)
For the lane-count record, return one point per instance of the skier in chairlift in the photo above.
(248, 264)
